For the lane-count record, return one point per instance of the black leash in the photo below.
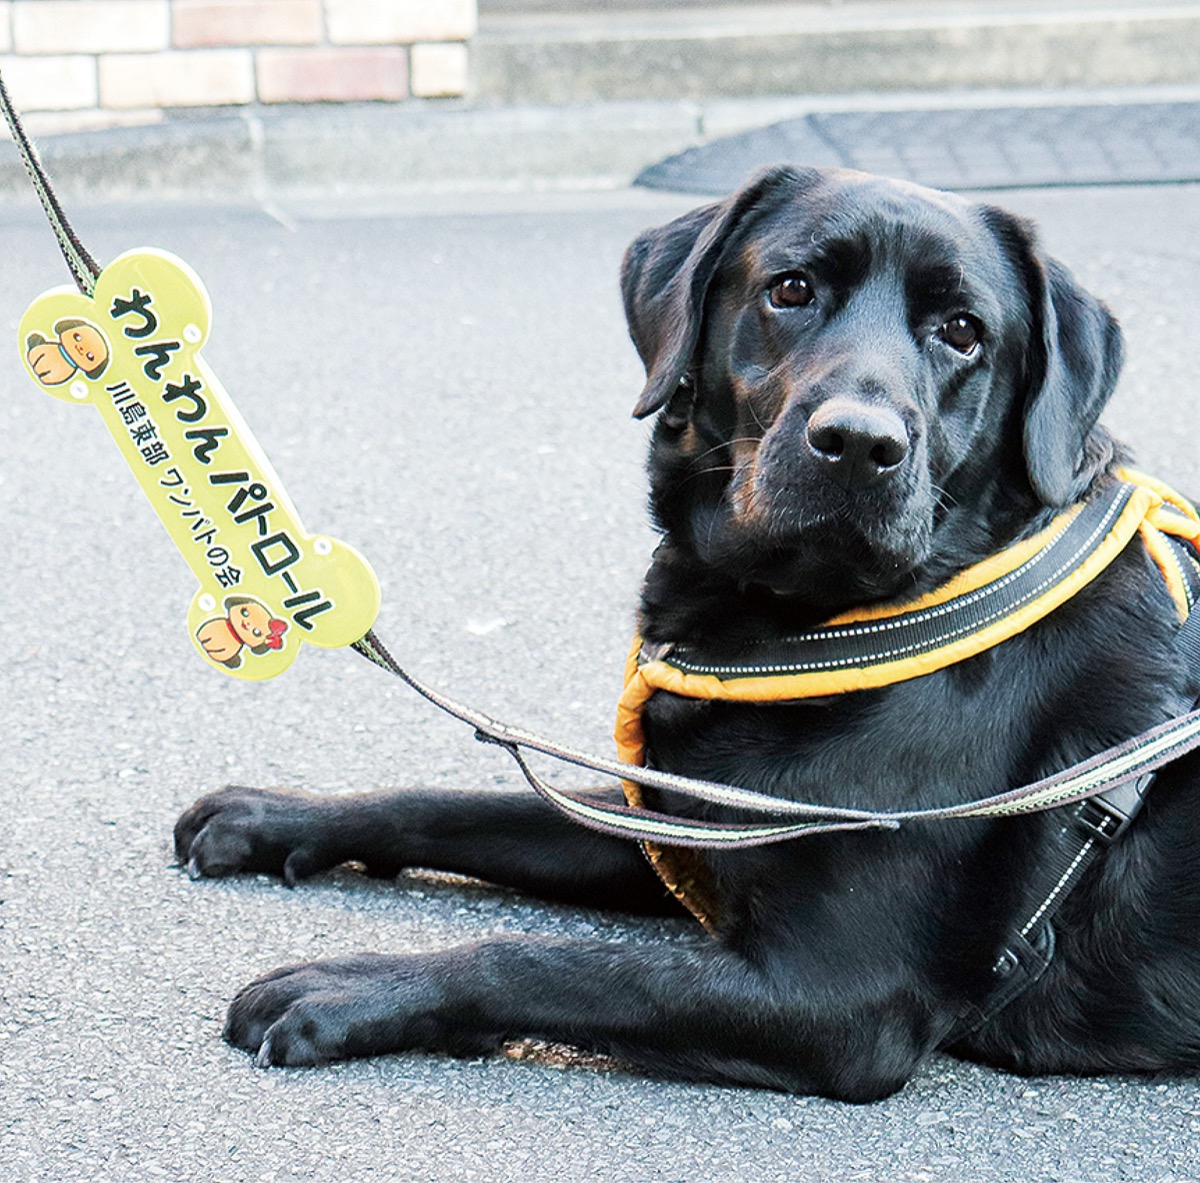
(1105, 773)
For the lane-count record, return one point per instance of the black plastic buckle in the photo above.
(1032, 953)
(1107, 816)
(1102, 820)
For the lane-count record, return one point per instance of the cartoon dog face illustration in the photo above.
(78, 347)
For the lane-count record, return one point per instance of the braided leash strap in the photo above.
(84, 269)
(1144, 753)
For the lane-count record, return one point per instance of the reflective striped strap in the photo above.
(1084, 832)
(513, 739)
(1089, 778)
(976, 610)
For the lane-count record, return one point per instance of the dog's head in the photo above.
(856, 377)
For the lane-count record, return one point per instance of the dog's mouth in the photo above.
(848, 567)
(839, 553)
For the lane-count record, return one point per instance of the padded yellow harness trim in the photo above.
(1152, 511)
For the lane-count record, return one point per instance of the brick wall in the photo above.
(92, 57)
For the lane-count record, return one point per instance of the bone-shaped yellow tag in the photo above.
(132, 350)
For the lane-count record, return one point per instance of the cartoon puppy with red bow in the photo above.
(247, 623)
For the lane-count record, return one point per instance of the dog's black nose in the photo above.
(859, 442)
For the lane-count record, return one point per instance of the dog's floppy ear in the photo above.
(1082, 352)
(1076, 352)
(665, 277)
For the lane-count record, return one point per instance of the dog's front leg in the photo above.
(511, 839)
(701, 1014)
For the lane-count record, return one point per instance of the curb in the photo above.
(356, 149)
(914, 45)
(378, 150)
(1048, 146)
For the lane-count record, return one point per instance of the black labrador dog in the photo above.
(862, 388)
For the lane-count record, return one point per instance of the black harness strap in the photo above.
(912, 634)
(1085, 832)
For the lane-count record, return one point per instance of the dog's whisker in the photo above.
(945, 499)
(723, 446)
(758, 422)
(710, 471)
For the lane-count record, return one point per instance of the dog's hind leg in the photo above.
(511, 839)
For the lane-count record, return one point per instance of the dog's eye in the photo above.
(791, 291)
(961, 333)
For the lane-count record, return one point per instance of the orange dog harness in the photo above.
(877, 646)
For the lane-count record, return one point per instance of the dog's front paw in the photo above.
(347, 1007)
(242, 829)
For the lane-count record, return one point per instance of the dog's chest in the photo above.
(899, 747)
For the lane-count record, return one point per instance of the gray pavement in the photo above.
(462, 417)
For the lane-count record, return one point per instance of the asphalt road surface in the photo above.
(446, 386)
